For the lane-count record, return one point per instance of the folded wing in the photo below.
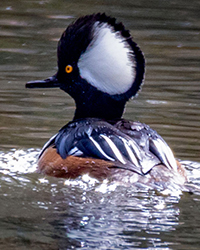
(129, 145)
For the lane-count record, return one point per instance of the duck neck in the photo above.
(101, 106)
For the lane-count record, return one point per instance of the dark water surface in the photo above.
(50, 213)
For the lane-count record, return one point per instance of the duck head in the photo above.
(99, 66)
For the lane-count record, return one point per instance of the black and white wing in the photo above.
(129, 145)
(149, 140)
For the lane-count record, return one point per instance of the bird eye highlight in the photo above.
(68, 69)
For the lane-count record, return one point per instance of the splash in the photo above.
(19, 161)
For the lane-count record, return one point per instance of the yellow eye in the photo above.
(68, 69)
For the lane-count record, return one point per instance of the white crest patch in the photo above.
(108, 62)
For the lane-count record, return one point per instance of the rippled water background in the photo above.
(49, 213)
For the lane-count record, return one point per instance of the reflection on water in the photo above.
(49, 213)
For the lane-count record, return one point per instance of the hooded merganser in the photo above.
(101, 68)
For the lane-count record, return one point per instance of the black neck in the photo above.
(99, 105)
(92, 103)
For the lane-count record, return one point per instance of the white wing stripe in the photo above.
(114, 149)
(168, 155)
(100, 149)
(75, 151)
(170, 163)
(130, 153)
(135, 148)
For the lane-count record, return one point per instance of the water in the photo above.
(50, 213)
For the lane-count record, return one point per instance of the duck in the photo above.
(102, 68)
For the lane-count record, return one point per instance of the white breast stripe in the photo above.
(130, 153)
(49, 141)
(114, 149)
(46, 145)
(100, 149)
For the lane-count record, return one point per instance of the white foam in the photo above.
(20, 161)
